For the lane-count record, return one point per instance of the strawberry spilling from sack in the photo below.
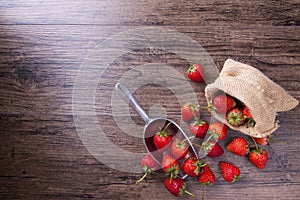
(236, 113)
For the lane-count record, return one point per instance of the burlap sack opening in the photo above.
(263, 97)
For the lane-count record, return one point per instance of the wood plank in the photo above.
(167, 13)
(44, 43)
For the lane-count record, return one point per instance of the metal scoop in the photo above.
(153, 126)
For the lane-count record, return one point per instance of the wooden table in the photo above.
(42, 47)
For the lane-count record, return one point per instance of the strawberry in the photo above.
(170, 165)
(235, 117)
(246, 113)
(177, 187)
(206, 176)
(216, 150)
(219, 129)
(238, 146)
(189, 112)
(196, 73)
(192, 166)
(248, 117)
(259, 158)
(198, 128)
(179, 149)
(223, 103)
(230, 172)
(162, 139)
(149, 165)
(263, 141)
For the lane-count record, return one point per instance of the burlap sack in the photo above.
(263, 97)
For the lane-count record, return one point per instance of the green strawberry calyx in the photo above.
(193, 108)
(183, 190)
(180, 144)
(210, 105)
(192, 69)
(198, 122)
(206, 183)
(163, 132)
(198, 164)
(236, 178)
(235, 118)
(173, 172)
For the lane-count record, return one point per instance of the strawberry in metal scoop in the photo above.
(179, 149)
(162, 139)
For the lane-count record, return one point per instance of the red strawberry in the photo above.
(259, 158)
(192, 166)
(223, 103)
(199, 128)
(170, 165)
(235, 117)
(211, 149)
(216, 150)
(162, 139)
(262, 141)
(219, 129)
(196, 73)
(248, 117)
(206, 176)
(189, 112)
(149, 165)
(230, 172)
(238, 146)
(178, 149)
(246, 112)
(177, 187)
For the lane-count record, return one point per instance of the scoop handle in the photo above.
(128, 97)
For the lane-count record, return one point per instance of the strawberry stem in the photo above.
(279, 141)
(188, 138)
(208, 107)
(203, 193)
(171, 177)
(142, 178)
(189, 193)
(198, 145)
(167, 126)
(205, 142)
(256, 146)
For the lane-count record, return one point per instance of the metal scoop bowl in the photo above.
(152, 126)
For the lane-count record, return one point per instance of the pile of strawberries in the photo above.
(237, 114)
(174, 150)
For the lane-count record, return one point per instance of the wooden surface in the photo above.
(42, 46)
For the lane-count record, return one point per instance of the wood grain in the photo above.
(44, 43)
